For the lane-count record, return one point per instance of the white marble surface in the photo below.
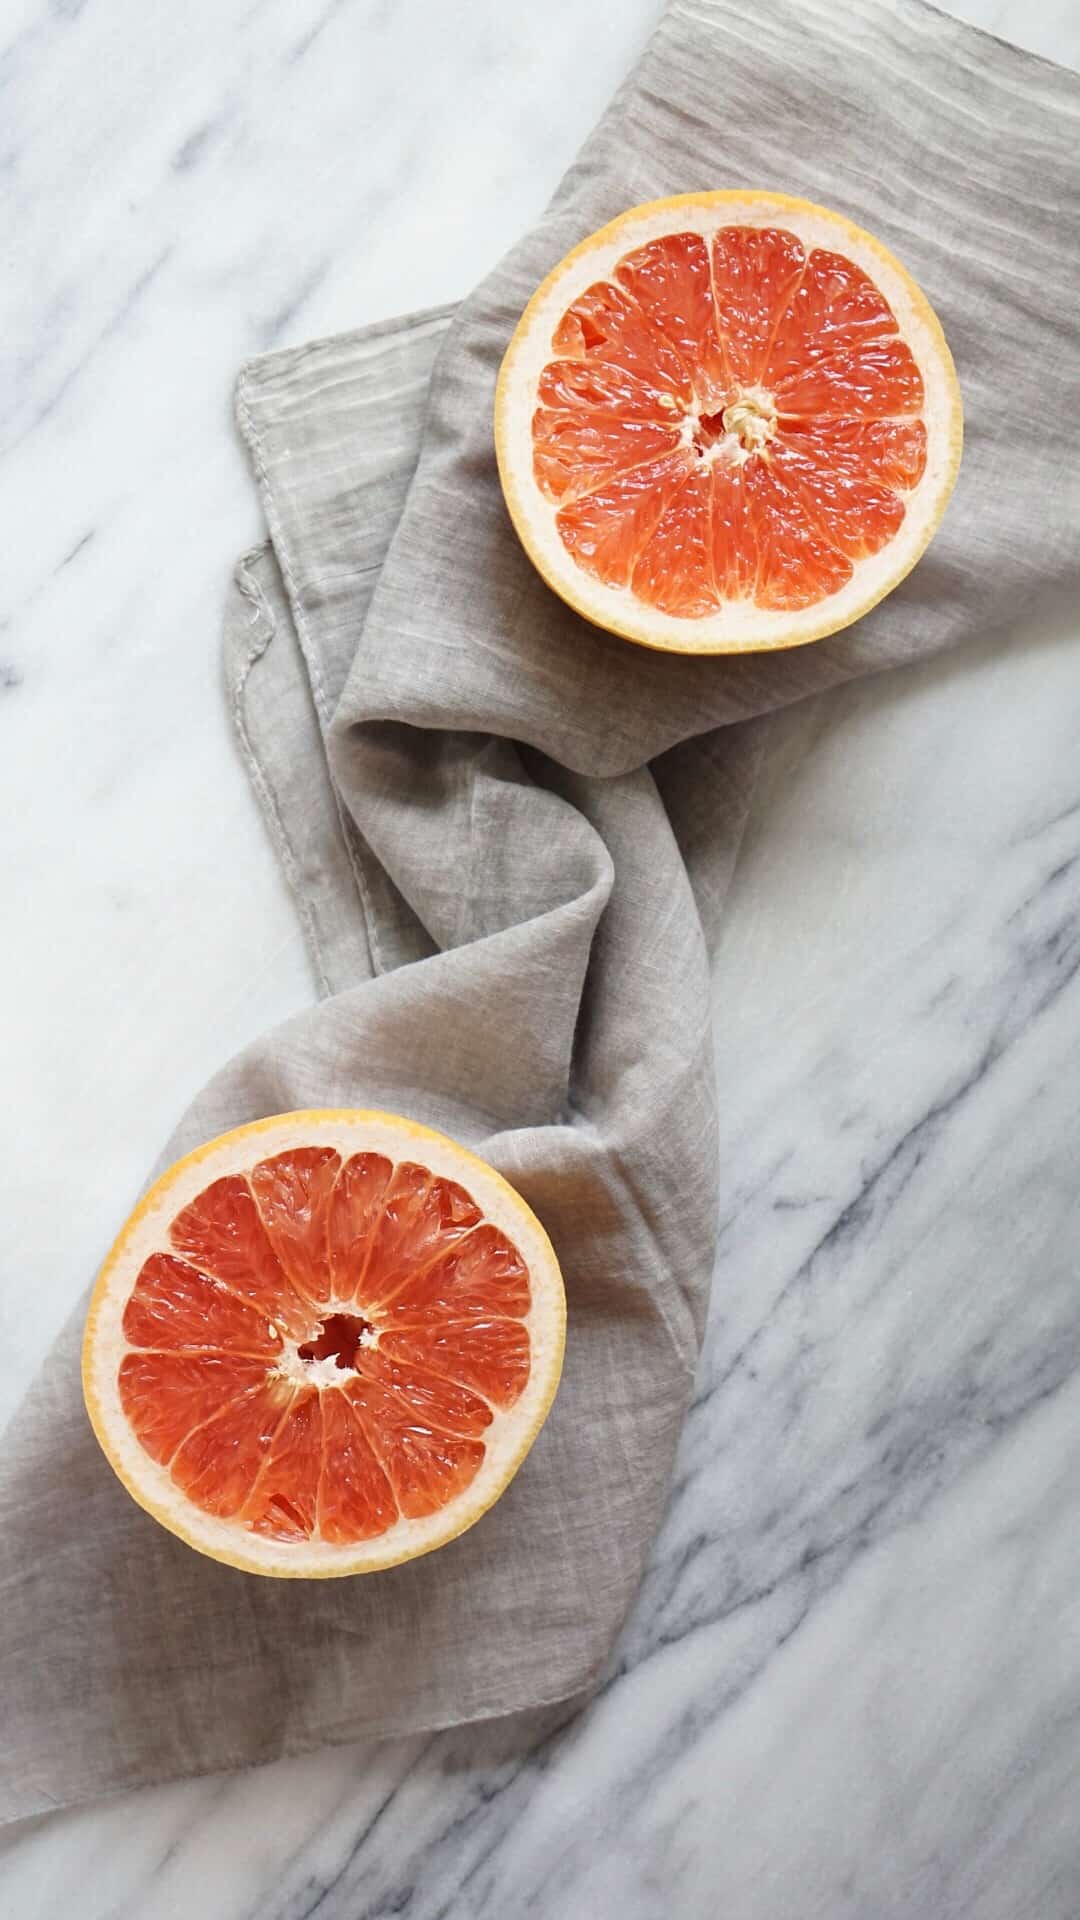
(851, 1686)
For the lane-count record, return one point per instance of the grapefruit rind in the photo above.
(739, 626)
(507, 1440)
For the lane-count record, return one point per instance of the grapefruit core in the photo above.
(324, 1343)
(727, 422)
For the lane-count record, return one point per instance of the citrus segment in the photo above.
(861, 514)
(674, 568)
(293, 1193)
(222, 1234)
(891, 453)
(606, 530)
(422, 1217)
(483, 1274)
(491, 1355)
(219, 1462)
(356, 1500)
(735, 565)
(836, 314)
(727, 421)
(355, 1208)
(283, 1501)
(167, 1395)
(755, 272)
(429, 1399)
(607, 326)
(671, 280)
(330, 1356)
(426, 1466)
(875, 381)
(576, 454)
(174, 1307)
(795, 561)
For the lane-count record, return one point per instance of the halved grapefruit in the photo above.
(324, 1343)
(727, 422)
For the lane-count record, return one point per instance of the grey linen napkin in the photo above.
(510, 839)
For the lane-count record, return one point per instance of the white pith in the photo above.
(738, 625)
(506, 1440)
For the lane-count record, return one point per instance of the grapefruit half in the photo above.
(324, 1343)
(727, 422)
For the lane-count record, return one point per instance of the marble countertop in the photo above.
(851, 1683)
